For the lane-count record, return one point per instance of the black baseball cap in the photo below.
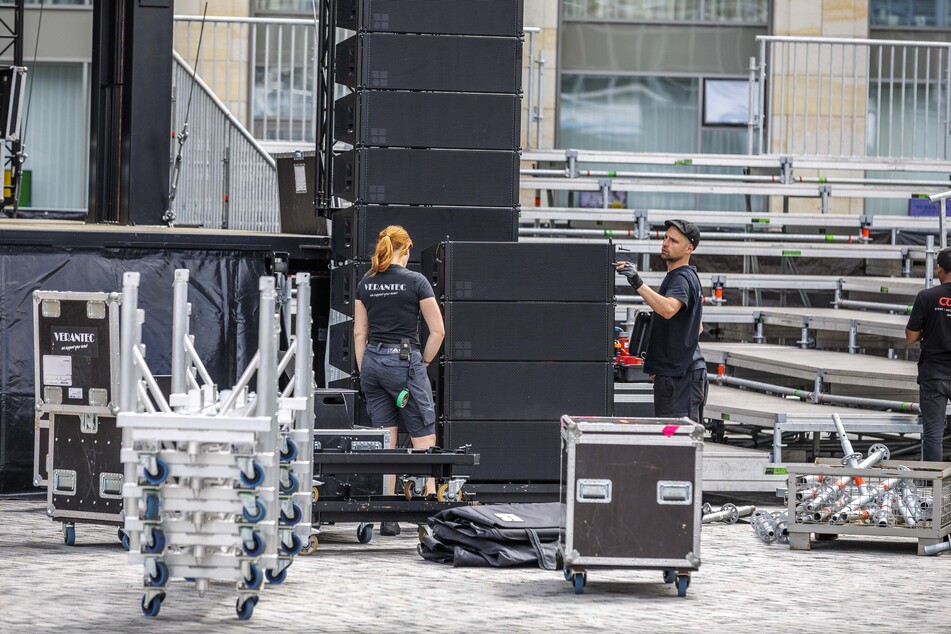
(687, 228)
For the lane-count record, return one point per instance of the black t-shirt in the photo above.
(392, 302)
(673, 344)
(931, 315)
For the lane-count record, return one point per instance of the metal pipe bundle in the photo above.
(771, 527)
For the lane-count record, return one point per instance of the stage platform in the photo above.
(868, 373)
(786, 415)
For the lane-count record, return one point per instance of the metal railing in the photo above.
(227, 180)
(850, 98)
(261, 68)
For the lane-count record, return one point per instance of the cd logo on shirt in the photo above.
(944, 301)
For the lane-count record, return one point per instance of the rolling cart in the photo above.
(631, 497)
(77, 443)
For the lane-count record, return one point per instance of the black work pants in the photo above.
(676, 396)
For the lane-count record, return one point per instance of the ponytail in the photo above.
(393, 241)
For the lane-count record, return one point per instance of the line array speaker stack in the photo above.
(433, 120)
(528, 338)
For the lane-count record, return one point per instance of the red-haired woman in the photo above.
(390, 299)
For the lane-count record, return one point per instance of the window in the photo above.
(54, 126)
(284, 6)
(913, 13)
(747, 11)
(630, 114)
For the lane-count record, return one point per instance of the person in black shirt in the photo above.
(673, 358)
(930, 323)
(390, 299)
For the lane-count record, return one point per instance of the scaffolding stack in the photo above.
(217, 486)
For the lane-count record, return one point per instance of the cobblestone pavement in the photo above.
(744, 585)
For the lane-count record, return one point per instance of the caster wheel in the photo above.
(578, 580)
(159, 477)
(253, 582)
(295, 519)
(246, 608)
(151, 608)
(252, 516)
(669, 576)
(69, 535)
(316, 494)
(158, 542)
(257, 477)
(295, 546)
(161, 576)
(289, 452)
(293, 483)
(567, 573)
(124, 539)
(151, 507)
(310, 548)
(683, 582)
(257, 545)
(365, 533)
(408, 490)
(275, 578)
(442, 494)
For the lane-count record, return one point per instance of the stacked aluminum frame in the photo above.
(217, 487)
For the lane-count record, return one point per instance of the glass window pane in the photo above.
(632, 114)
(54, 135)
(735, 10)
(283, 6)
(669, 10)
(633, 9)
(907, 12)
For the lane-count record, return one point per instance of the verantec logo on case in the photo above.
(74, 341)
(944, 301)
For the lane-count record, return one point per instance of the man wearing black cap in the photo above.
(930, 323)
(673, 358)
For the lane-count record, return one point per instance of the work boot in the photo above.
(389, 529)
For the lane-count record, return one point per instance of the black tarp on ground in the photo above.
(495, 535)
(223, 291)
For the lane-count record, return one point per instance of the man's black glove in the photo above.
(628, 270)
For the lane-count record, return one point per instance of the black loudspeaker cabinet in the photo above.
(361, 416)
(295, 194)
(334, 408)
(86, 474)
(343, 284)
(427, 177)
(340, 347)
(456, 17)
(528, 331)
(387, 118)
(509, 390)
(355, 229)
(442, 63)
(530, 272)
(509, 451)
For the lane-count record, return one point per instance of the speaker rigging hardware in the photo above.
(170, 215)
